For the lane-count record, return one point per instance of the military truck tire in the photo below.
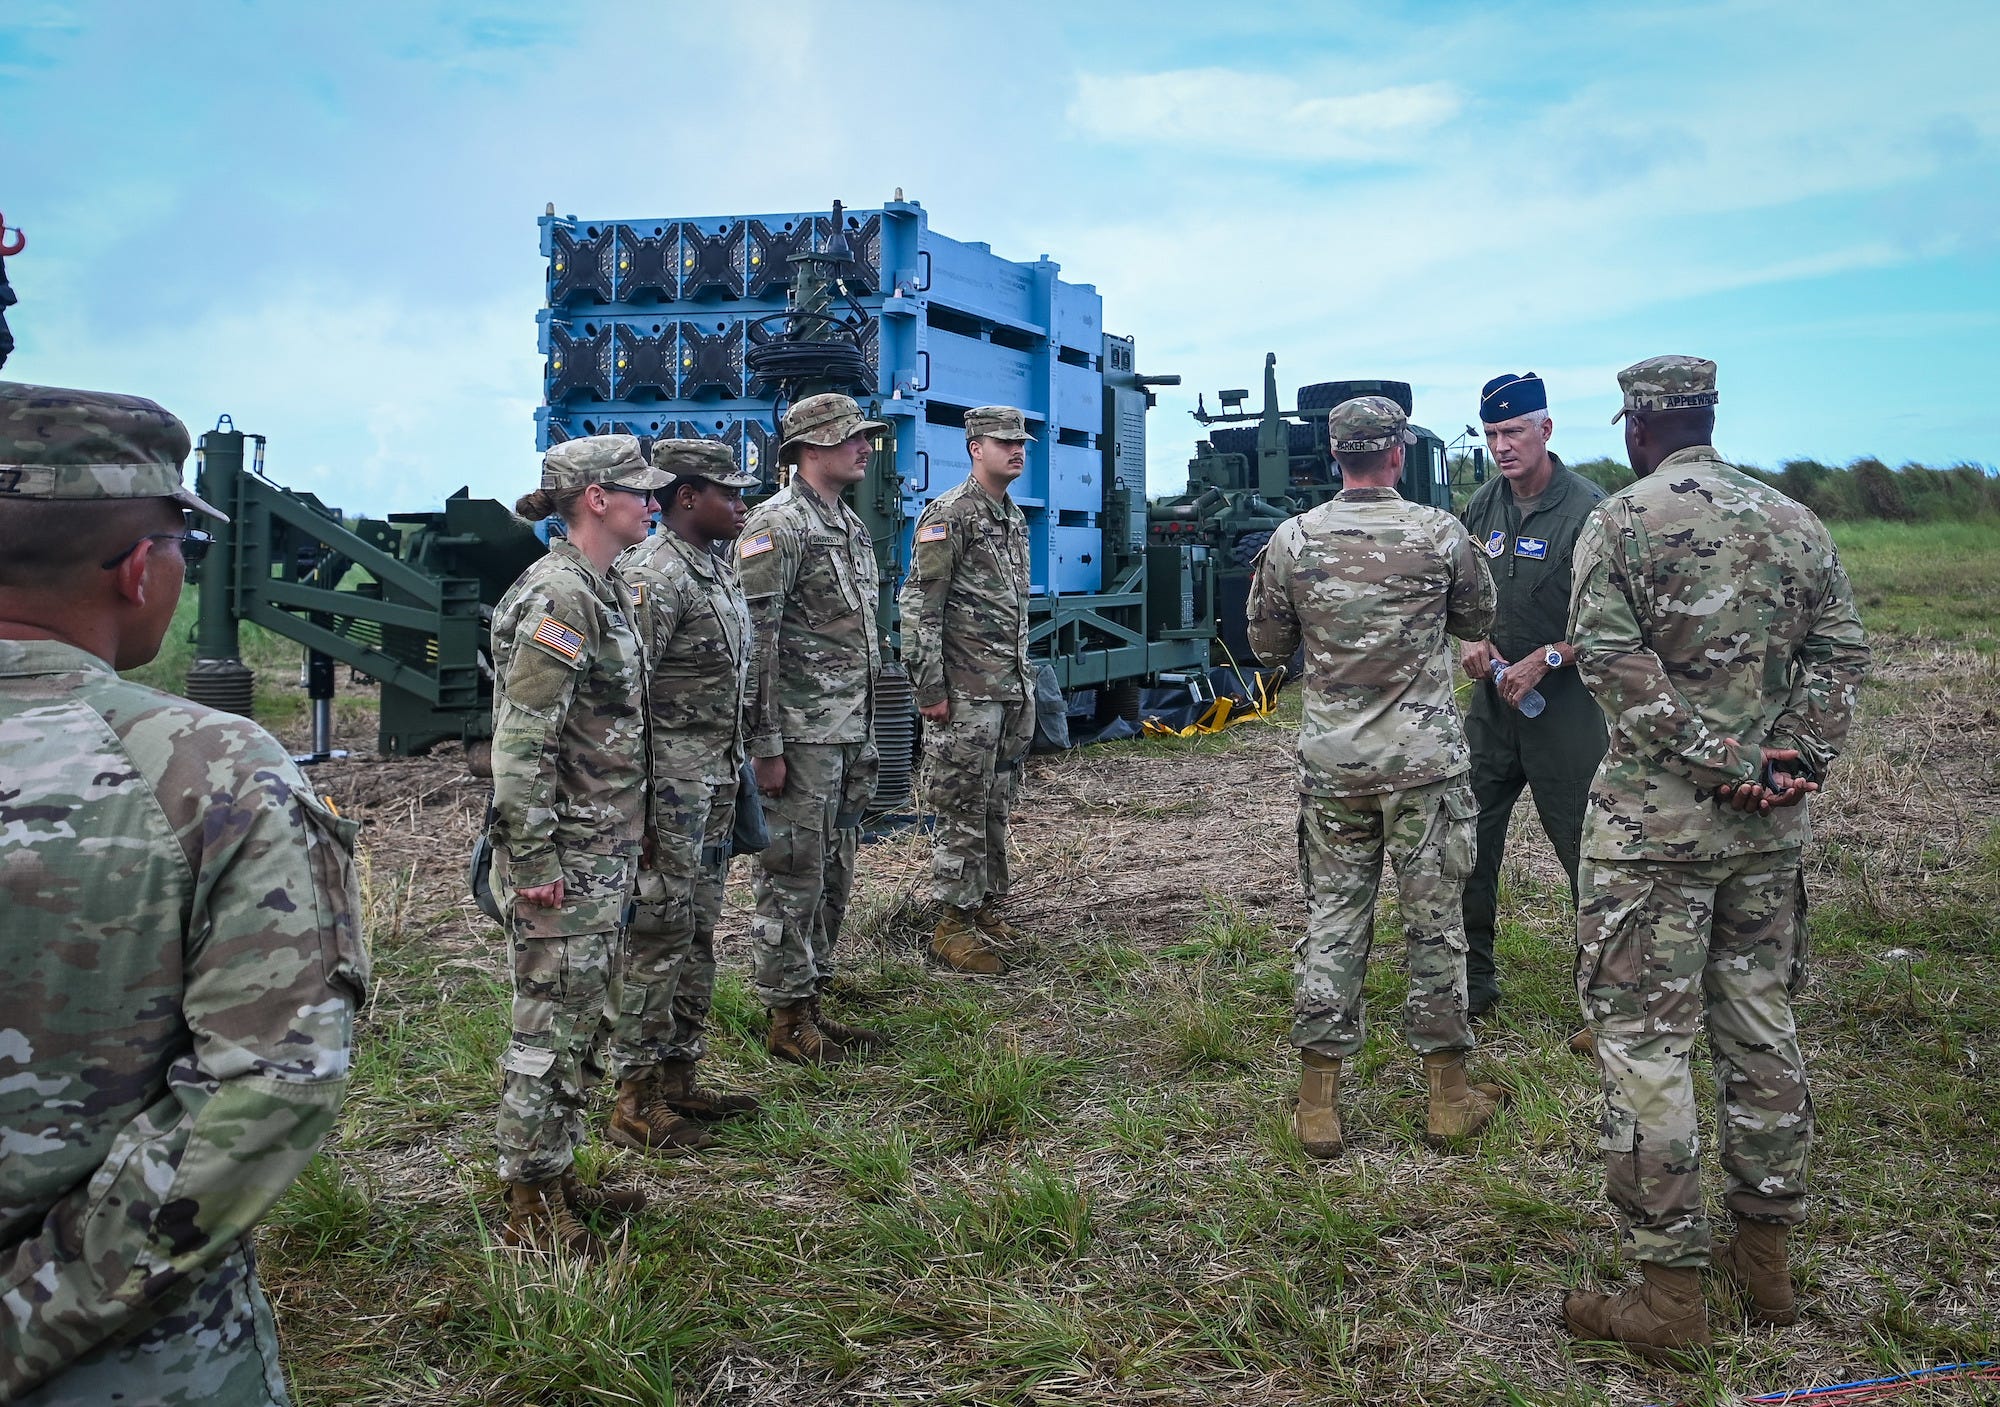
(1244, 550)
(1119, 700)
(1325, 395)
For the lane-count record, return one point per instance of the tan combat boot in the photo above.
(1584, 1042)
(1754, 1259)
(1457, 1110)
(588, 1201)
(1655, 1320)
(796, 1037)
(959, 944)
(644, 1123)
(681, 1090)
(852, 1038)
(539, 1219)
(988, 920)
(1317, 1116)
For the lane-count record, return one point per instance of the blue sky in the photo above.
(321, 219)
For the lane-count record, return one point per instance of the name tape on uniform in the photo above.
(752, 546)
(935, 532)
(1536, 547)
(558, 637)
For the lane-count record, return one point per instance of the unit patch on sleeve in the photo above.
(934, 532)
(1536, 547)
(559, 639)
(752, 546)
(1496, 542)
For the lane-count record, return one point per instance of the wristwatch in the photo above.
(1554, 658)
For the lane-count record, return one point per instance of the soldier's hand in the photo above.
(1743, 796)
(1476, 658)
(542, 896)
(1792, 789)
(1521, 676)
(939, 712)
(1785, 787)
(770, 775)
(1780, 788)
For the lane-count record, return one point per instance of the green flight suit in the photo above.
(1556, 754)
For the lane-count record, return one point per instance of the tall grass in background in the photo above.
(1865, 490)
(274, 658)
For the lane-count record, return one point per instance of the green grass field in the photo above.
(1079, 1183)
(1930, 581)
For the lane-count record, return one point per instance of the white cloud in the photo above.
(1243, 113)
(372, 405)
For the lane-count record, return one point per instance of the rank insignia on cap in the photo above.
(1536, 547)
(1496, 542)
(934, 532)
(556, 636)
(752, 546)
(1510, 395)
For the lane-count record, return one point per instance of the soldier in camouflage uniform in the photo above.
(182, 950)
(696, 630)
(1372, 585)
(965, 635)
(1715, 626)
(809, 573)
(569, 810)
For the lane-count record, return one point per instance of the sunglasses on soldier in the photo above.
(194, 547)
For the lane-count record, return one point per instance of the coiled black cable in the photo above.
(781, 366)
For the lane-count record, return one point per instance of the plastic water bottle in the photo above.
(1532, 703)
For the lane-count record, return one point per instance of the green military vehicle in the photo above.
(1258, 468)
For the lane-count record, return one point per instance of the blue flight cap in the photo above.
(1508, 396)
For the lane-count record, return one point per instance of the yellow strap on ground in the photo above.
(1220, 715)
(1223, 713)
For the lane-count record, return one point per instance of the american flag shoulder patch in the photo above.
(752, 546)
(933, 532)
(556, 636)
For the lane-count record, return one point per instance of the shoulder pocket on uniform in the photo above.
(537, 682)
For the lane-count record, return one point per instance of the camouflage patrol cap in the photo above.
(823, 420)
(997, 422)
(1667, 383)
(1368, 423)
(700, 459)
(82, 445)
(599, 459)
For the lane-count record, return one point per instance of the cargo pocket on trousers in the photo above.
(1612, 956)
(1461, 833)
(792, 850)
(1618, 1141)
(529, 1060)
(1305, 866)
(330, 851)
(1795, 982)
